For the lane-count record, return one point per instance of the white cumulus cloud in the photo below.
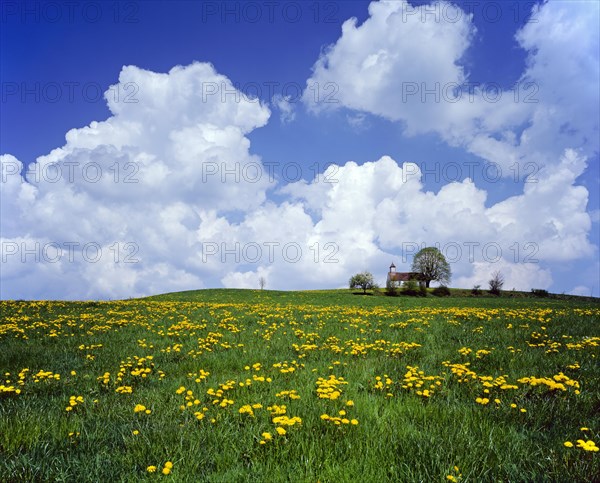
(404, 63)
(138, 181)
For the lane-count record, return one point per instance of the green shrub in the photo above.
(410, 288)
(441, 291)
(391, 289)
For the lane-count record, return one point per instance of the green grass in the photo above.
(400, 436)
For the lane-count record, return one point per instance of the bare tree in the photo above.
(496, 282)
(262, 282)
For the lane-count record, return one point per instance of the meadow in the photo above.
(243, 385)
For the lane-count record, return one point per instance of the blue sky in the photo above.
(401, 162)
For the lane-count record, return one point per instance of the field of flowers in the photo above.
(262, 386)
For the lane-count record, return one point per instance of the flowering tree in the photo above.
(363, 280)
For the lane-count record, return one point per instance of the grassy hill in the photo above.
(377, 298)
(248, 385)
